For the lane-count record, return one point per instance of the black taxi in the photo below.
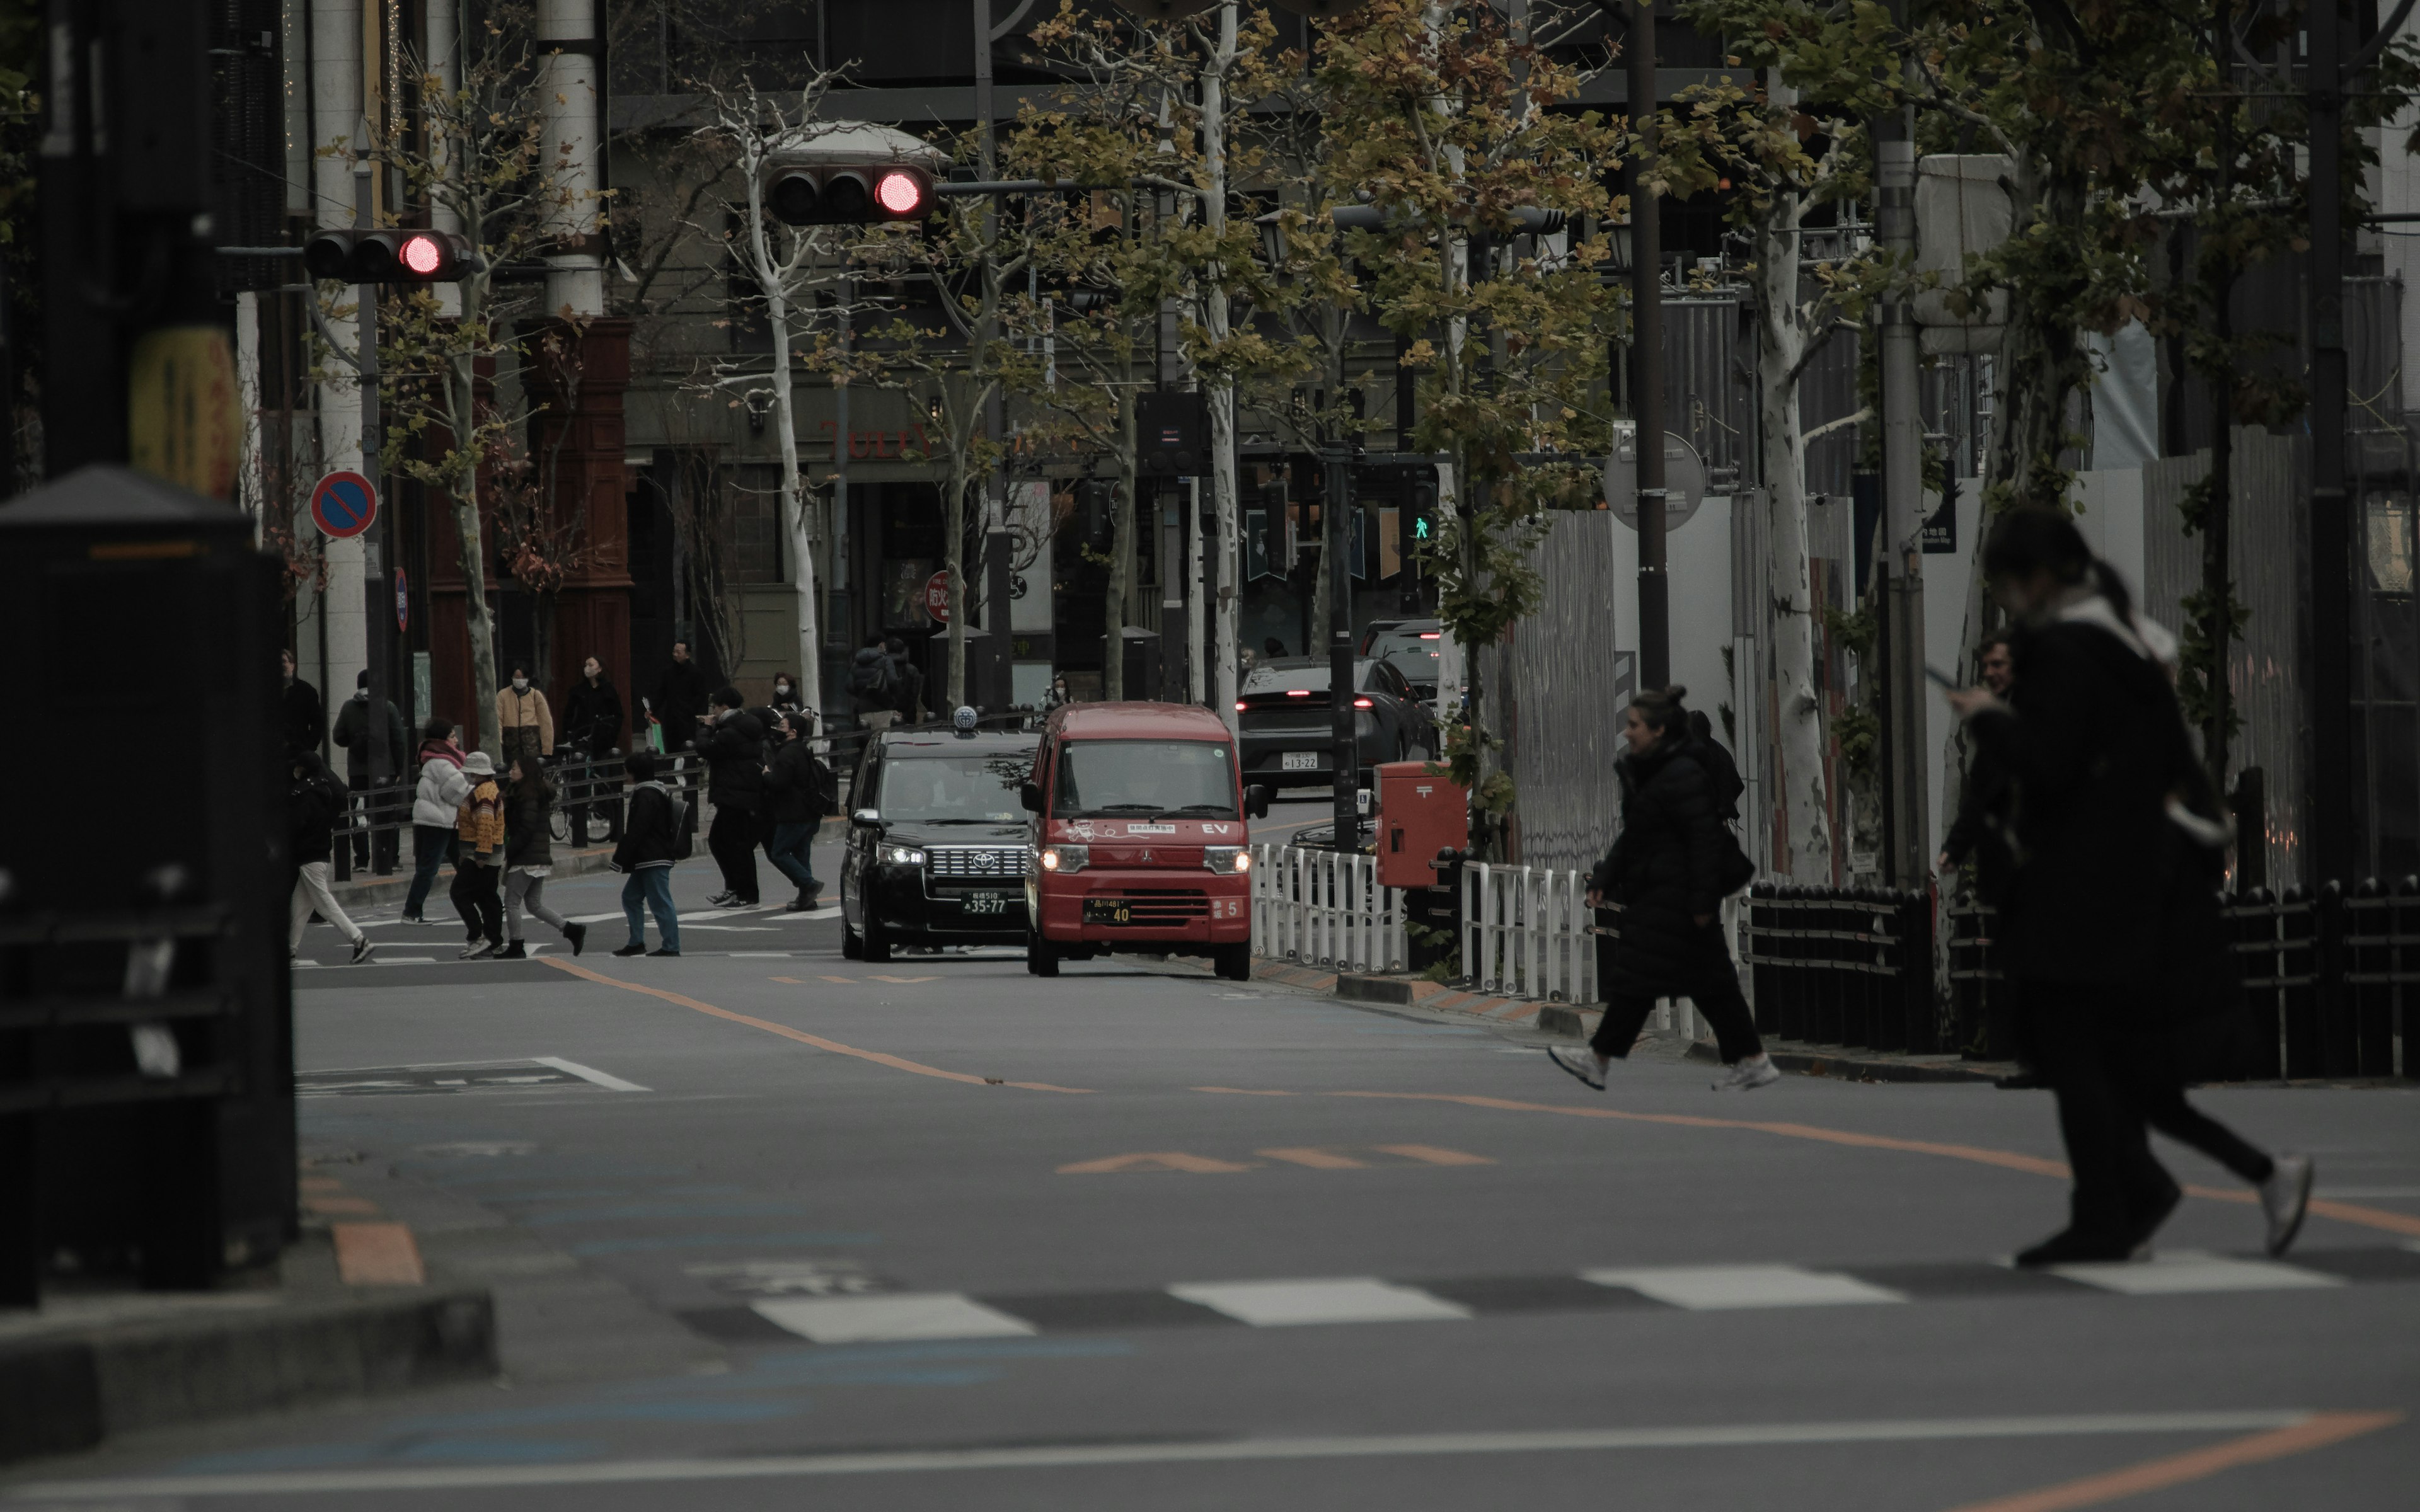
(938, 842)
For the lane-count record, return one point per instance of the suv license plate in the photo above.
(987, 902)
(1299, 761)
(1108, 911)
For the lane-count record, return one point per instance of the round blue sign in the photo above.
(344, 505)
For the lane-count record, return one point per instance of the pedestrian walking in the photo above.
(1058, 694)
(802, 790)
(651, 843)
(438, 790)
(2110, 923)
(525, 722)
(874, 686)
(359, 731)
(302, 719)
(479, 865)
(786, 695)
(731, 743)
(911, 680)
(529, 855)
(1665, 880)
(592, 728)
(1976, 833)
(313, 803)
(679, 698)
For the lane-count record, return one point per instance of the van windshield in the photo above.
(1144, 780)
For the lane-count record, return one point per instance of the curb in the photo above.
(68, 1390)
(1857, 1068)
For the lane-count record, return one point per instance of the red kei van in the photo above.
(1139, 838)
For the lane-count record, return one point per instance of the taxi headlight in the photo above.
(901, 856)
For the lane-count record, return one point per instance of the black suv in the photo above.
(937, 841)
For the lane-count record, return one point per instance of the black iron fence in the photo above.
(1851, 967)
(2333, 982)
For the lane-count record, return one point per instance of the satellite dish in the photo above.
(1684, 479)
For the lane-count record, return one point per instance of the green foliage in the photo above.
(1852, 630)
(1859, 733)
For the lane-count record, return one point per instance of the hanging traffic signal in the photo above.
(848, 193)
(394, 256)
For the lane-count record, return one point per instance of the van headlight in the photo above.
(1065, 858)
(1231, 860)
(899, 855)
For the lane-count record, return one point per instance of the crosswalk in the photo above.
(882, 1317)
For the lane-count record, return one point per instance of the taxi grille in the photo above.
(974, 862)
(1171, 905)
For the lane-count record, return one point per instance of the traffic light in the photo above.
(388, 257)
(848, 193)
(1171, 432)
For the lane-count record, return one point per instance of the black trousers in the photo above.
(732, 837)
(380, 809)
(2114, 1085)
(1712, 986)
(477, 897)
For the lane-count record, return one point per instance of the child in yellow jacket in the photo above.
(479, 824)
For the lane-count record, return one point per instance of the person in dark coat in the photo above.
(313, 803)
(911, 680)
(733, 743)
(1722, 773)
(592, 730)
(1665, 881)
(680, 696)
(2110, 926)
(529, 855)
(301, 717)
(1973, 835)
(651, 845)
(796, 780)
(357, 732)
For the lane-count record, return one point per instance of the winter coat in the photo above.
(525, 711)
(679, 698)
(873, 680)
(592, 717)
(1663, 873)
(301, 718)
(528, 841)
(437, 795)
(313, 804)
(798, 782)
(480, 823)
(352, 725)
(910, 698)
(734, 748)
(651, 829)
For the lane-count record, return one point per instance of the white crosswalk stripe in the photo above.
(1334, 1299)
(919, 1315)
(1707, 1287)
(2183, 1272)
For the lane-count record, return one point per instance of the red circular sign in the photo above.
(344, 505)
(936, 595)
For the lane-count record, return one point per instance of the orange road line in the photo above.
(792, 981)
(1433, 1154)
(2317, 1432)
(878, 1058)
(378, 1254)
(1163, 1160)
(1244, 1091)
(1317, 1159)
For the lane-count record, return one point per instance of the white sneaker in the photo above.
(1755, 1072)
(1582, 1063)
(476, 950)
(2285, 1196)
(362, 949)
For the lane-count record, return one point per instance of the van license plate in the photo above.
(1299, 761)
(1108, 911)
(987, 902)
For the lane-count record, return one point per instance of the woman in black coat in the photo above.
(2110, 923)
(1665, 880)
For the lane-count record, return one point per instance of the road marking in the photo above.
(2393, 1223)
(932, 1315)
(589, 1074)
(2178, 1271)
(903, 980)
(1434, 1155)
(1246, 1091)
(376, 1255)
(1318, 1160)
(759, 955)
(1717, 1288)
(2316, 1432)
(840, 979)
(1334, 1299)
(878, 1058)
(792, 981)
(1198, 1451)
(327, 1205)
(1165, 1160)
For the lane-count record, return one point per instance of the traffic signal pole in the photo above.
(1647, 362)
(1338, 456)
(377, 641)
(1910, 861)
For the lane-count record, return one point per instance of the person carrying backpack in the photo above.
(478, 870)
(874, 686)
(803, 790)
(313, 803)
(651, 843)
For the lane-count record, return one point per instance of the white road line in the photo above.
(2179, 1272)
(929, 1315)
(588, 1073)
(1327, 1300)
(1046, 1457)
(1708, 1288)
(758, 955)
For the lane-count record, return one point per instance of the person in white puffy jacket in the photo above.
(435, 801)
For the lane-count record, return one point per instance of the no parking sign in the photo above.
(344, 505)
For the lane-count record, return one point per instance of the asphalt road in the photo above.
(791, 1231)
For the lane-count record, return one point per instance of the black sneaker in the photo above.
(515, 951)
(722, 900)
(2070, 1247)
(663, 953)
(577, 935)
(632, 948)
(362, 949)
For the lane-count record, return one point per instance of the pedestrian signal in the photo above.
(393, 256)
(848, 193)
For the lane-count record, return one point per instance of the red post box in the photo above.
(1419, 815)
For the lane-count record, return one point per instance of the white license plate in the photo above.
(1298, 760)
(987, 902)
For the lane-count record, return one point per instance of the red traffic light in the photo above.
(848, 193)
(387, 257)
(902, 194)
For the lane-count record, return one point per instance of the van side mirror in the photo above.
(868, 817)
(1030, 796)
(1256, 801)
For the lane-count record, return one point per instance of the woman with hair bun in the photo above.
(1665, 879)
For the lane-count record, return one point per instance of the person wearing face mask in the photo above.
(358, 730)
(592, 729)
(526, 723)
(301, 716)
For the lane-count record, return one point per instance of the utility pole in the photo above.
(2331, 791)
(1910, 860)
(1338, 456)
(378, 610)
(1647, 361)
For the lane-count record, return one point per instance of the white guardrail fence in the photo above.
(1524, 929)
